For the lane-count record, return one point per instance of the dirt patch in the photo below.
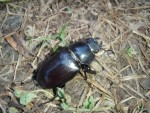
(31, 30)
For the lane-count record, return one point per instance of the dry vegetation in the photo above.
(122, 82)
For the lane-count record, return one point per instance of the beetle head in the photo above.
(93, 44)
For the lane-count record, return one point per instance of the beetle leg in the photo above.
(55, 89)
(51, 99)
(55, 92)
(85, 75)
(88, 69)
(62, 86)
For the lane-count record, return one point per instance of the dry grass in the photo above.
(122, 82)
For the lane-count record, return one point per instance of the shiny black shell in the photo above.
(83, 52)
(57, 70)
(66, 63)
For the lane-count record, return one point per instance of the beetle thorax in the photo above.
(82, 53)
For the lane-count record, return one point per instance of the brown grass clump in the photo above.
(122, 82)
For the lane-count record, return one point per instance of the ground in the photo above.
(31, 30)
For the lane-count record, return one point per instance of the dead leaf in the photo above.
(17, 42)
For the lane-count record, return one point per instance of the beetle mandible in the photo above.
(66, 63)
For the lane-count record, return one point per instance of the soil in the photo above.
(31, 30)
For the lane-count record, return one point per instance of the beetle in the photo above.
(63, 66)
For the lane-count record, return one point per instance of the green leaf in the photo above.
(130, 52)
(62, 43)
(55, 36)
(62, 35)
(69, 10)
(85, 104)
(27, 97)
(65, 106)
(91, 99)
(43, 38)
(54, 49)
(90, 103)
(13, 110)
(18, 92)
(63, 29)
(60, 93)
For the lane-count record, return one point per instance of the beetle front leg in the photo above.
(87, 69)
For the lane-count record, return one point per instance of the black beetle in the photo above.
(66, 63)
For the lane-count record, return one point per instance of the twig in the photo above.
(141, 34)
